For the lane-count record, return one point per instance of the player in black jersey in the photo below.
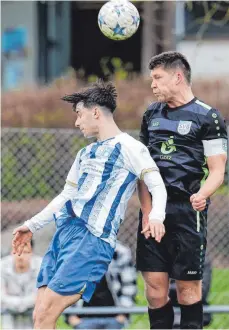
(187, 139)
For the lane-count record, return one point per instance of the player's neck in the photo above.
(183, 97)
(108, 130)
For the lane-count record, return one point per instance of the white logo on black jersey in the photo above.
(184, 127)
(191, 272)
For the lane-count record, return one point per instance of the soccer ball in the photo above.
(118, 19)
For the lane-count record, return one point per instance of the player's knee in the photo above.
(42, 314)
(156, 295)
(156, 290)
(156, 299)
(188, 294)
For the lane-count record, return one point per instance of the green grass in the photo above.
(222, 191)
(219, 295)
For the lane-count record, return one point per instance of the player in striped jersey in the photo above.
(90, 209)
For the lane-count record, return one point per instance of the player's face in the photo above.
(164, 84)
(23, 261)
(85, 120)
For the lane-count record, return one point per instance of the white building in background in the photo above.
(208, 58)
(205, 45)
(42, 39)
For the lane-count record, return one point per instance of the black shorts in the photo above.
(181, 252)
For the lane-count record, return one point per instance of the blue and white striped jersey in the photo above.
(106, 173)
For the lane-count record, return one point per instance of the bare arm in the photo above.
(153, 210)
(146, 206)
(213, 135)
(216, 165)
(144, 197)
(140, 162)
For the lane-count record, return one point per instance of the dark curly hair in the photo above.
(170, 60)
(98, 94)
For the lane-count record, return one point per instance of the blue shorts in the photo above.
(76, 260)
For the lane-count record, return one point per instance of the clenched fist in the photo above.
(198, 202)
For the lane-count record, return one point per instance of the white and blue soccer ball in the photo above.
(118, 19)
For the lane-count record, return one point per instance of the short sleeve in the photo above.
(144, 134)
(214, 133)
(73, 174)
(214, 126)
(139, 161)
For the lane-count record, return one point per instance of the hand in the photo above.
(22, 236)
(156, 229)
(198, 202)
(145, 222)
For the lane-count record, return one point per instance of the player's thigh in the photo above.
(189, 242)
(189, 292)
(152, 256)
(53, 304)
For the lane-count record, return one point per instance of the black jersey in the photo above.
(174, 137)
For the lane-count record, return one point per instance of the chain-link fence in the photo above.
(35, 163)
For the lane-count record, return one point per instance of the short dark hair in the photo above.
(98, 94)
(172, 59)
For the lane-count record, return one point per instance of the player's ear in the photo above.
(96, 113)
(179, 77)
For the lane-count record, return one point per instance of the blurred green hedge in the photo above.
(42, 106)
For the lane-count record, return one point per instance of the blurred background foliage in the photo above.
(42, 107)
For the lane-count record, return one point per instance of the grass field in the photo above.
(219, 295)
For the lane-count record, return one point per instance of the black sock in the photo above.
(161, 318)
(192, 316)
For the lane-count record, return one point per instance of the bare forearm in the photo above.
(216, 165)
(213, 182)
(144, 197)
